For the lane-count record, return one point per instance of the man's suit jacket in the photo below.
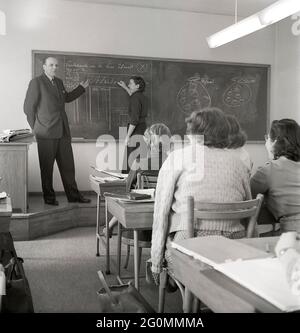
(44, 107)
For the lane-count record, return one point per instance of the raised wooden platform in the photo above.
(42, 220)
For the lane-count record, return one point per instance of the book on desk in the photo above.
(250, 267)
(10, 135)
(134, 196)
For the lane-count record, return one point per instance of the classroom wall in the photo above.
(81, 27)
(287, 65)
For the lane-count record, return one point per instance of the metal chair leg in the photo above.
(98, 251)
(119, 248)
(98, 225)
(136, 257)
(162, 286)
(187, 303)
(127, 257)
(140, 258)
(107, 241)
(196, 305)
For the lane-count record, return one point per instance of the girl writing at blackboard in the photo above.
(137, 113)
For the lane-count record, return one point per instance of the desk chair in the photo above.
(143, 182)
(247, 211)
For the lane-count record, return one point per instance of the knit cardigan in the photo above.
(207, 174)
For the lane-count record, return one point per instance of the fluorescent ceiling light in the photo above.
(235, 31)
(2, 23)
(278, 11)
(274, 13)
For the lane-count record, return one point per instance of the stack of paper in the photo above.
(14, 135)
(3, 195)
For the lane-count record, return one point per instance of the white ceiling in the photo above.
(222, 7)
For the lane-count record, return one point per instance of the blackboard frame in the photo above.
(266, 66)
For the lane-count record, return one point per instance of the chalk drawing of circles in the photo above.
(193, 96)
(237, 95)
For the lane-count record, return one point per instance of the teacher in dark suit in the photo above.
(44, 107)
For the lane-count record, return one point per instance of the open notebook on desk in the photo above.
(213, 250)
(264, 277)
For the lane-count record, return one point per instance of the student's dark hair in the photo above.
(286, 133)
(237, 137)
(210, 122)
(140, 81)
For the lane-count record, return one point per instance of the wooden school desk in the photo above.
(5, 214)
(14, 172)
(216, 290)
(135, 216)
(100, 189)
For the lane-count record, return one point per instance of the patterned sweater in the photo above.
(207, 174)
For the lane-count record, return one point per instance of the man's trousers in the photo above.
(60, 150)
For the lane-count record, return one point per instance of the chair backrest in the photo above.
(246, 210)
(145, 181)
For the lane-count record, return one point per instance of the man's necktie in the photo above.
(55, 86)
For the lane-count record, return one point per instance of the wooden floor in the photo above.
(42, 219)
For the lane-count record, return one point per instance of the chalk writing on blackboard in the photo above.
(174, 89)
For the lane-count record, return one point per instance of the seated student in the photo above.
(279, 179)
(237, 139)
(290, 259)
(205, 170)
(158, 141)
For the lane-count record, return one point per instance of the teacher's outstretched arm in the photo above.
(75, 93)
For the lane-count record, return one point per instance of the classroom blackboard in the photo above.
(174, 89)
